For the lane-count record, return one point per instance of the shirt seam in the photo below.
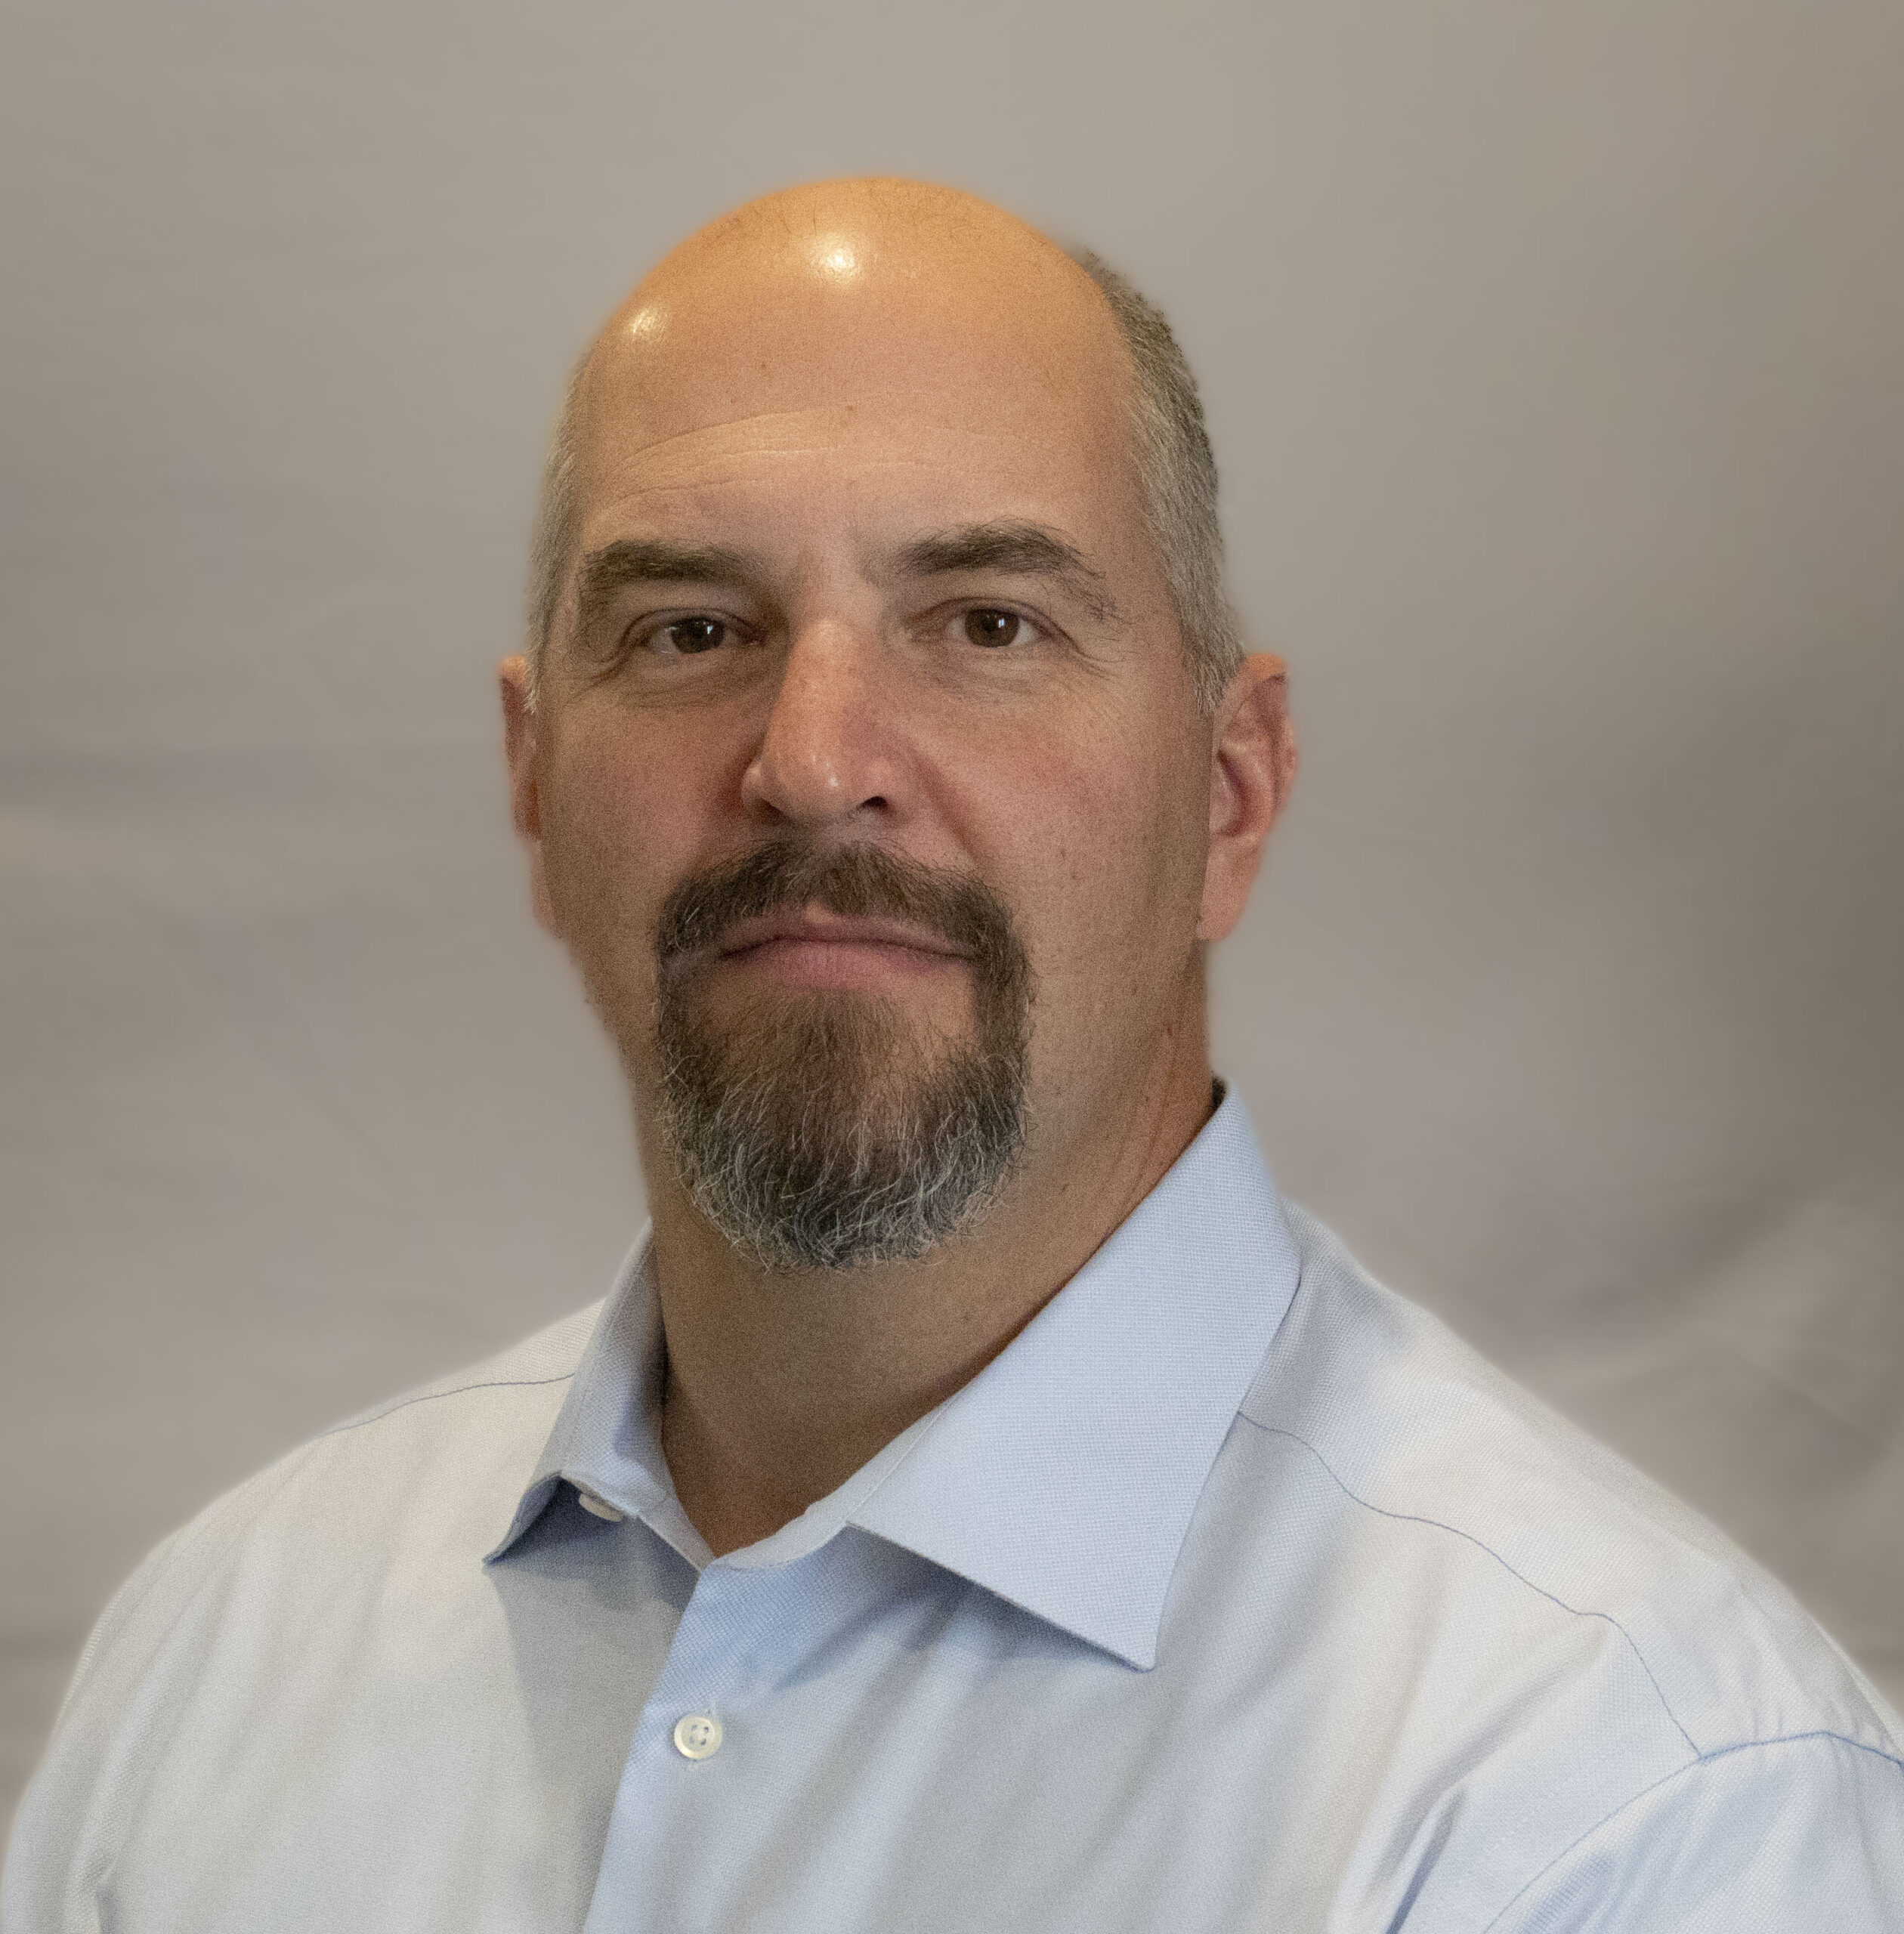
(1414, 1517)
(1679, 1772)
(432, 1396)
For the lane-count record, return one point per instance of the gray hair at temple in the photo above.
(1176, 478)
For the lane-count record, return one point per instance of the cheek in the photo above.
(611, 827)
(1109, 863)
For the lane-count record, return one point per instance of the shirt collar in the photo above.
(1063, 1476)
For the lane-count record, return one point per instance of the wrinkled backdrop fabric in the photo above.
(1555, 359)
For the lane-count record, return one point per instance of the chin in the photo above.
(827, 1129)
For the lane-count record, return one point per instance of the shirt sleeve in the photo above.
(45, 1888)
(1797, 1836)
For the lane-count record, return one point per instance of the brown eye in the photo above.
(994, 628)
(689, 635)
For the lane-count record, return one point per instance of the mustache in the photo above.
(857, 882)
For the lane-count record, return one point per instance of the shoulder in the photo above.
(1554, 1688)
(1415, 1429)
(273, 1608)
(1798, 1833)
(465, 1441)
(515, 1384)
(441, 1465)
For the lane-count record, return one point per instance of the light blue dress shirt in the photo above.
(1235, 1594)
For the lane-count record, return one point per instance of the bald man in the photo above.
(981, 1502)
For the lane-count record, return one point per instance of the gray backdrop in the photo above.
(1556, 358)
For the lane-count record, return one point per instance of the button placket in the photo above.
(707, 1667)
(707, 1754)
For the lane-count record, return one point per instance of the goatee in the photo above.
(826, 1130)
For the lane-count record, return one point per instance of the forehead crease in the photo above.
(767, 351)
(787, 429)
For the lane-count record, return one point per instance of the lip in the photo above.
(815, 925)
(810, 948)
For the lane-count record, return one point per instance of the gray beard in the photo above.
(822, 1132)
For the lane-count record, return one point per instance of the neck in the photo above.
(779, 1387)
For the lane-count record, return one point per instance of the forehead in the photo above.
(949, 374)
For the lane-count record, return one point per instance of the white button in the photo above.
(591, 1503)
(697, 1736)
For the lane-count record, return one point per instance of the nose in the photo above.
(827, 755)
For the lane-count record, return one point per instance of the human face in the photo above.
(860, 564)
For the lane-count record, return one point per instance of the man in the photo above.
(981, 1503)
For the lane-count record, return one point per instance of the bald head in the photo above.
(834, 296)
(865, 243)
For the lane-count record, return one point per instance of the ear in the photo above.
(1251, 772)
(521, 741)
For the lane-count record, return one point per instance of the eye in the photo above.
(691, 636)
(992, 628)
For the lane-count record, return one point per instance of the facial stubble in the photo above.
(825, 1129)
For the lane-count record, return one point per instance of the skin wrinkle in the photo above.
(968, 376)
(1017, 548)
(603, 573)
(1165, 444)
(747, 423)
(1012, 546)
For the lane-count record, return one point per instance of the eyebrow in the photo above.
(1017, 549)
(1010, 545)
(638, 560)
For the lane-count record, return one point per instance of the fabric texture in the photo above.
(1236, 1592)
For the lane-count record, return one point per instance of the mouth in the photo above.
(811, 945)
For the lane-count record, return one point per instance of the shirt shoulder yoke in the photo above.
(549, 1357)
(1413, 1425)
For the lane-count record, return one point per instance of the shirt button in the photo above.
(697, 1736)
(597, 1507)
